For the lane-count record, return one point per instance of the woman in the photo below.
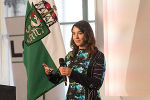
(85, 65)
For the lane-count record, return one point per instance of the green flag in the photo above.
(42, 44)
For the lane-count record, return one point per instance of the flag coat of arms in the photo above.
(43, 44)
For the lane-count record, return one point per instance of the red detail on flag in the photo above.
(53, 15)
(47, 5)
(33, 13)
(40, 21)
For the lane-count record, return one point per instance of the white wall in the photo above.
(138, 70)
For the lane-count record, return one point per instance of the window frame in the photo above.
(85, 14)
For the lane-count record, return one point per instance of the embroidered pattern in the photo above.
(47, 12)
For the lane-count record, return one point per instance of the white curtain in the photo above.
(119, 22)
(125, 25)
(6, 75)
(99, 33)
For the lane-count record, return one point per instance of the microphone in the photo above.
(62, 63)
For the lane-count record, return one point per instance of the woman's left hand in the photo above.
(66, 71)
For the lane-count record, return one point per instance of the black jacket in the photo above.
(95, 74)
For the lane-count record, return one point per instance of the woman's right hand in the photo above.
(47, 70)
(65, 71)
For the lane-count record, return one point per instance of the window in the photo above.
(15, 8)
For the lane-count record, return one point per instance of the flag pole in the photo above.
(44, 96)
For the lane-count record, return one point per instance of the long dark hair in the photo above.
(89, 40)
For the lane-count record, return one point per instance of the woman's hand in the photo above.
(66, 71)
(47, 70)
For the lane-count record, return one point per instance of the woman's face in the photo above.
(78, 37)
